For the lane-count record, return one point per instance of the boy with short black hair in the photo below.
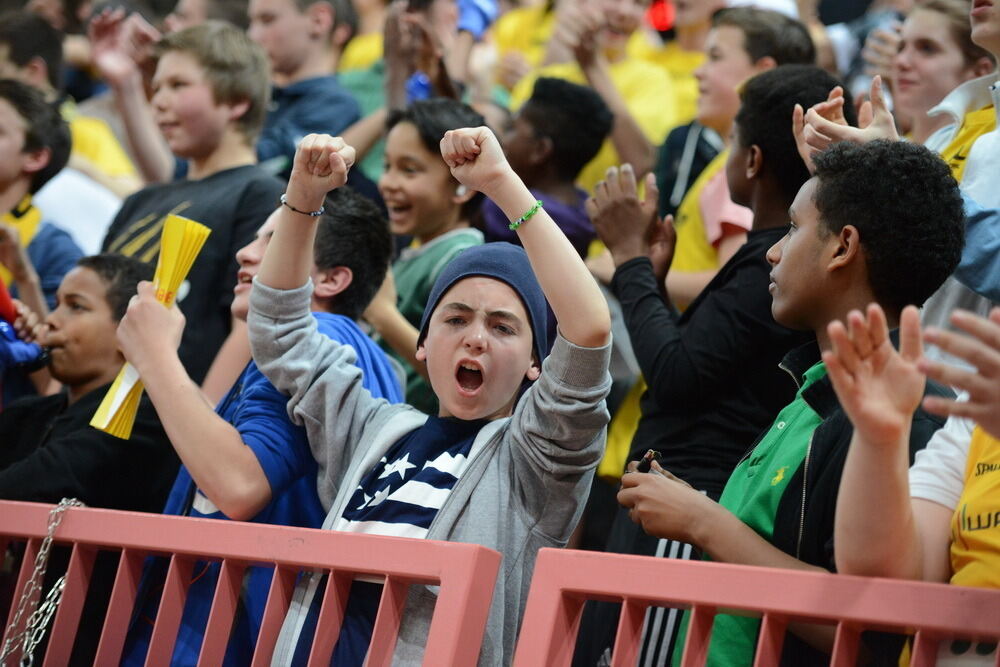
(489, 469)
(856, 237)
(50, 450)
(245, 460)
(210, 100)
(554, 135)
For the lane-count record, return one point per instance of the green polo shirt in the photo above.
(752, 493)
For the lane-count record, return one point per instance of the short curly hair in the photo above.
(574, 117)
(907, 209)
(764, 119)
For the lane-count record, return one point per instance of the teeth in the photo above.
(470, 367)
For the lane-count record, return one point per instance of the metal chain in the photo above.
(38, 619)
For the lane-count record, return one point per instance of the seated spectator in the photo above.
(517, 471)
(297, 36)
(855, 238)
(427, 203)
(713, 374)
(557, 131)
(937, 520)
(50, 451)
(246, 461)
(34, 253)
(639, 93)
(210, 101)
(31, 51)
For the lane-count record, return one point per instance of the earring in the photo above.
(461, 191)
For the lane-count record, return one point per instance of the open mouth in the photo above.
(469, 377)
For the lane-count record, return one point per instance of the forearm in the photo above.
(223, 467)
(289, 254)
(153, 157)
(401, 336)
(685, 286)
(229, 362)
(576, 300)
(628, 138)
(365, 133)
(876, 475)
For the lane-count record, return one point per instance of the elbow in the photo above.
(243, 503)
(598, 332)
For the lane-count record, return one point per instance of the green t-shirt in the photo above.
(415, 272)
(367, 86)
(752, 493)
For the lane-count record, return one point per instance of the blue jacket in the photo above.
(318, 105)
(979, 269)
(259, 413)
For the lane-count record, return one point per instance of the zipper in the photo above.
(802, 510)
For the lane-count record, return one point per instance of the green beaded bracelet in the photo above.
(527, 216)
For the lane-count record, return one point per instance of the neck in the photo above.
(769, 206)
(440, 231)
(75, 392)
(924, 126)
(12, 196)
(372, 21)
(555, 187)
(233, 151)
(692, 37)
(316, 64)
(859, 304)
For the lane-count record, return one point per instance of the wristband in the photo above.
(314, 214)
(527, 216)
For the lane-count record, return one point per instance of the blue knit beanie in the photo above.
(502, 261)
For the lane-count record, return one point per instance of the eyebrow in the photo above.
(74, 295)
(500, 314)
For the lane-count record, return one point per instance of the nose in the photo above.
(248, 253)
(253, 32)
(475, 337)
(387, 181)
(773, 255)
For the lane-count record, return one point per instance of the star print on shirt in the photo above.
(399, 465)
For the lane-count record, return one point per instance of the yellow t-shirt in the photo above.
(974, 125)
(679, 66)
(94, 141)
(25, 218)
(693, 251)
(975, 525)
(648, 94)
(361, 52)
(527, 30)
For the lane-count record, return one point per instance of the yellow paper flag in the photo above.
(180, 243)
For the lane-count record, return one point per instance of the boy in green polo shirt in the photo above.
(881, 222)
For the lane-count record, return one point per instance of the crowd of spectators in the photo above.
(471, 260)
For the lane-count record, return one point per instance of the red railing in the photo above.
(466, 574)
(564, 580)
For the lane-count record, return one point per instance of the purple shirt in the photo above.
(572, 220)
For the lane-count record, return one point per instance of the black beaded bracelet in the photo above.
(315, 214)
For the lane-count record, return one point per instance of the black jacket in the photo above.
(803, 525)
(713, 375)
(49, 451)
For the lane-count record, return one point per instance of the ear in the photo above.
(340, 36)
(462, 194)
(542, 151)
(535, 370)
(238, 109)
(35, 161)
(331, 282)
(36, 73)
(764, 64)
(755, 162)
(320, 18)
(982, 67)
(848, 248)
(421, 354)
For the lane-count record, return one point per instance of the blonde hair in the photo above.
(235, 67)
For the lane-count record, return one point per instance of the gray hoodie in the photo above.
(524, 490)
